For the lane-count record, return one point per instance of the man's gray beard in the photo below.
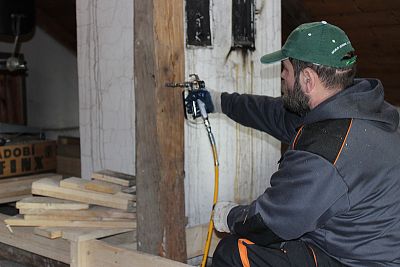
(295, 100)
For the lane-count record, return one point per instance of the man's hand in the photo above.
(220, 215)
(191, 101)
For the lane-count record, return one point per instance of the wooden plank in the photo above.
(80, 184)
(125, 240)
(129, 190)
(83, 234)
(159, 58)
(49, 203)
(103, 186)
(48, 232)
(13, 198)
(22, 190)
(79, 234)
(18, 220)
(24, 238)
(130, 197)
(100, 253)
(93, 211)
(7, 189)
(48, 187)
(17, 188)
(114, 177)
(74, 183)
(27, 179)
(70, 218)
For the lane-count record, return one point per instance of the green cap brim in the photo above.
(273, 57)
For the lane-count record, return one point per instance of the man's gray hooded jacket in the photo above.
(338, 184)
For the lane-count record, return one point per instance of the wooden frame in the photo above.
(79, 250)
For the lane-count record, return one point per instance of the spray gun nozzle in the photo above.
(181, 85)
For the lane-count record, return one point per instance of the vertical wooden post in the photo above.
(159, 58)
(78, 253)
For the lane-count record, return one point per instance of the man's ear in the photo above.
(309, 81)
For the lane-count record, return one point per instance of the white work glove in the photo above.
(220, 215)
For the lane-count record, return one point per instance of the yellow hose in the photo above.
(211, 223)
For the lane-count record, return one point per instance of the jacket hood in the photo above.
(364, 100)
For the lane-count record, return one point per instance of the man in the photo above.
(335, 200)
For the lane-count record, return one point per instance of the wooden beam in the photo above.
(159, 58)
(104, 187)
(48, 232)
(23, 238)
(80, 184)
(70, 218)
(123, 240)
(17, 188)
(13, 198)
(93, 211)
(82, 234)
(114, 177)
(99, 253)
(49, 203)
(18, 220)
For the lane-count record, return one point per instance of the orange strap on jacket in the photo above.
(313, 254)
(243, 251)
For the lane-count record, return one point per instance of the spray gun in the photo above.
(197, 108)
(191, 106)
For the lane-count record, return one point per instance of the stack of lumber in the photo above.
(106, 203)
(17, 188)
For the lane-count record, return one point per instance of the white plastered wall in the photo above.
(106, 93)
(247, 157)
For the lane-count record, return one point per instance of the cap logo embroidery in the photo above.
(340, 46)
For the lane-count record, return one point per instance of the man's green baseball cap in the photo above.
(316, 42)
